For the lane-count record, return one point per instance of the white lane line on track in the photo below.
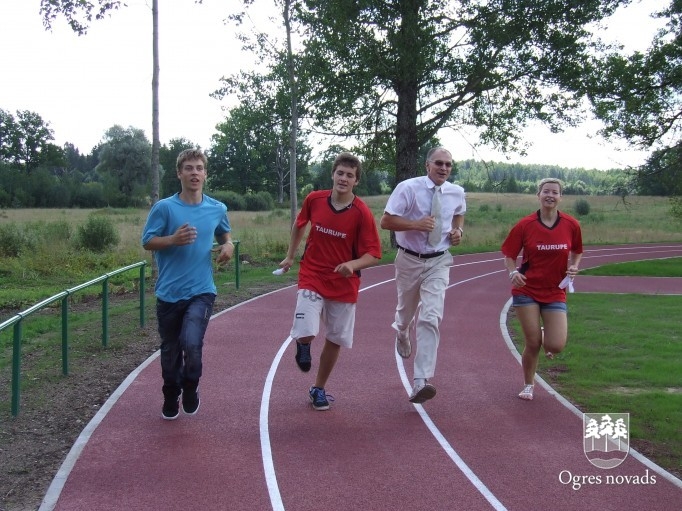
(647, 252)
(630, 247)
(445, 445)
(57, 485)
(266, 447)
(442, 441)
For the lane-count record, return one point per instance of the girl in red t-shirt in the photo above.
(551, 243)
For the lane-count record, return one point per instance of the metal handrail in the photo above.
(17, 322)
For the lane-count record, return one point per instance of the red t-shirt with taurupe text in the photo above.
(545, 254)
(335, 237)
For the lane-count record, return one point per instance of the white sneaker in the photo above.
(527, 393)
(422, 392)
(402, 344)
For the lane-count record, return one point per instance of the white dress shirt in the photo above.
(411, 199)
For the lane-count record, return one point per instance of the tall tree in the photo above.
(285, 81)
(293, 129)
(78, 13)
(247, 152)
(156, 140)
(639, 99)
(25, 141)
(408, 68)
(124, 163)
(8, 128)
(168, 154)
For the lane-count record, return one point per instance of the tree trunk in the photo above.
(293, 192)
(156, 144)
(407, 143)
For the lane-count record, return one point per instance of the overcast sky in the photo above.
(84, 85)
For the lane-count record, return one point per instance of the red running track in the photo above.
(256, 443)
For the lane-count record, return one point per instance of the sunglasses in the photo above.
(440, 163)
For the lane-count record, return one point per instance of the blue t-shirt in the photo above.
(185, 271)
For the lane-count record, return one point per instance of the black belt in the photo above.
(421, 256)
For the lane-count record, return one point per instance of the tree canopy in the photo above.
(125, 160)
(405, 69)
(25, 141)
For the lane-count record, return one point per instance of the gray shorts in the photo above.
(338, 318)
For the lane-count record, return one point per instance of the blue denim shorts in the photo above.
(523, 300)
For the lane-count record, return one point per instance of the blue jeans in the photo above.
(523, 300)
(182, 326)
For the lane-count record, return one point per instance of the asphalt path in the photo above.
(257, 444)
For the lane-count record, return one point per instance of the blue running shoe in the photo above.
(319, 398)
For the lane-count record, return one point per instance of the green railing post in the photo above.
(65, 335)
(105, 312)
(237, 264)
(16, 371)
(142, 297)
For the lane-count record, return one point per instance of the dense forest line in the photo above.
(481, 176)
(116, 173)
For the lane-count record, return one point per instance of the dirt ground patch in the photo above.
(53, 413)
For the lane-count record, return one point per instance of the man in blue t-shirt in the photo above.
(180, 230)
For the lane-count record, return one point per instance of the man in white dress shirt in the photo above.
(422, 264)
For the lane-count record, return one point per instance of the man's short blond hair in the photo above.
(190, 154)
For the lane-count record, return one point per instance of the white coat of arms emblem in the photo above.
(606, 438)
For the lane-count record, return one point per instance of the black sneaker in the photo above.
(319, 398)
(190, 399)
(303, 356)
(171, 405)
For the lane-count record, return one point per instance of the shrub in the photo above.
(261, 201)
(11, 240)
(89, 195)
(306, 190)
(582, 207)
(98, 234)
(232, 200)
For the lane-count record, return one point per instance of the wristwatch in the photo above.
(461, 231)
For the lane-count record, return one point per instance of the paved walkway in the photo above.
(256, 444)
